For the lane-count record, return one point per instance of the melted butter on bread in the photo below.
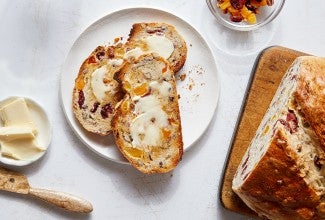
(152, 44)
(101, 81)
(160, 45)
(147, 128)
(163, 87)
(136, 53)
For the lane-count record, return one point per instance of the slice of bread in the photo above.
(281, 175)
(169, 43)
(96, 92)
(147, 124)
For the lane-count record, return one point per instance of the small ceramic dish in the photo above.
(266, 15)
(44, 132)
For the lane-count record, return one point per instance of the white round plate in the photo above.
(198, 92)
(44, 131)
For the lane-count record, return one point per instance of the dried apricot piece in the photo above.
(133, 152)
(80, 83)
(141, 89)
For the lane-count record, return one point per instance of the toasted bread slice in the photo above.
(147, 124)
(160, 38)
(96, 92)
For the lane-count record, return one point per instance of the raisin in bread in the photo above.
(281, 175)
(96, 92)
(147, 124)
(160, 38)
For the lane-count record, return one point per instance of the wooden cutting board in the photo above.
(267, 73)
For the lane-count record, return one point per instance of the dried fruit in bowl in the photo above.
(242, 10)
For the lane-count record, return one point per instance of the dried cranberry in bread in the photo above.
(281, 175)
(147, 124)
(96, 92)
(161, 38)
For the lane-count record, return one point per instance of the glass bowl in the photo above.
(265, 16)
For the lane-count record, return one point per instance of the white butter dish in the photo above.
(42, 137)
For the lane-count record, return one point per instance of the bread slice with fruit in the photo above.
(147, 124)
(96, 92)
(160, 38)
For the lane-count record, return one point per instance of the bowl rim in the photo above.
(238, 27)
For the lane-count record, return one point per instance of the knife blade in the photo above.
(15, 182)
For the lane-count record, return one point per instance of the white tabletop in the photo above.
(35, 38)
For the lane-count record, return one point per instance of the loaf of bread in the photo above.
(160, 38)
(96, 93)
(147, 124)
(281, 175)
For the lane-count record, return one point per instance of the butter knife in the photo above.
(15, 182)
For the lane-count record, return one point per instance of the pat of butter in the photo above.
(115, 62)
(160, 45)
(146, 103)
(145, 129)
(136, 53)
(10, 133)
(98, 86)
(17, 137)
(163, 87)
(152, 44)
(16, 113)
(20, 149)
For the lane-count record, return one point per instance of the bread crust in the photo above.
(310, 93)
(159, 158)
(275, 188)
(178, 57)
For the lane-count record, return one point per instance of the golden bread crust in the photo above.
(310, 93)
(275, 188)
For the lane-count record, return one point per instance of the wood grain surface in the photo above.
(267, 73)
